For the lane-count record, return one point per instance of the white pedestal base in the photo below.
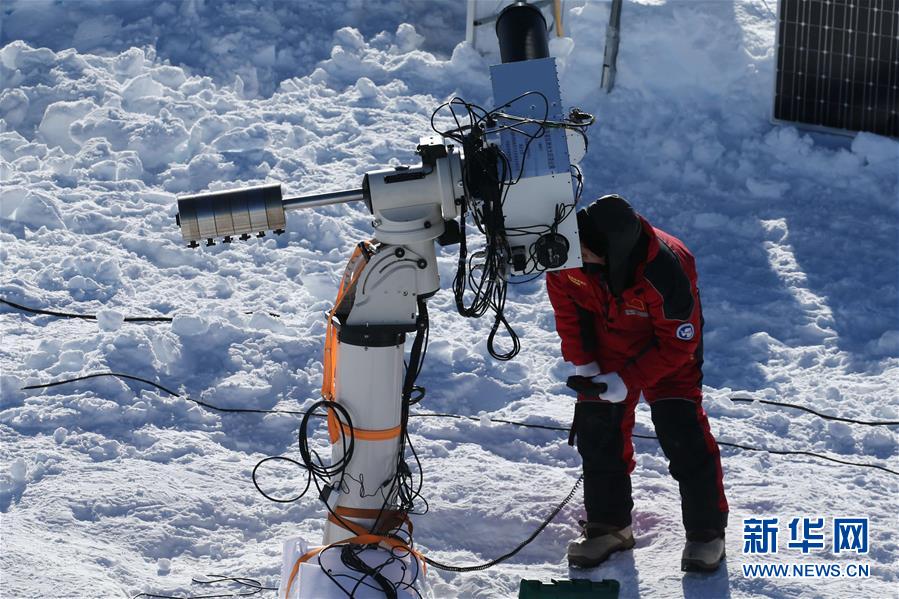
(311, 581)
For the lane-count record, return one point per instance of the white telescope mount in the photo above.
(381, 301)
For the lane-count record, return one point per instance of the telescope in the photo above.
(511, 172)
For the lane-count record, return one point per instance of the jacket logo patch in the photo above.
(636, 304)
(577, 281)
(685, 331)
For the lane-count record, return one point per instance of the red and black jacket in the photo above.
(651, 334)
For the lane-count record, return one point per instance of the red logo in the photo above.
(636, 304)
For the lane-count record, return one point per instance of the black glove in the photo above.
(585, 386)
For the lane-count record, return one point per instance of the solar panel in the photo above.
(838, 64)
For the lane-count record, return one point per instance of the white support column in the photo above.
(369, 386)
(370, 376)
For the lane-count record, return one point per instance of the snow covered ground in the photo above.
(108, 489)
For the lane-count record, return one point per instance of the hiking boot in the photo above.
(703, 552)
(597, 543)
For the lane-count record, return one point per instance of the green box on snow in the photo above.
(563, 589)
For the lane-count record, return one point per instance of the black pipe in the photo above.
(521, 30)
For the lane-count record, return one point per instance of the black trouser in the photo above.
(603, 432)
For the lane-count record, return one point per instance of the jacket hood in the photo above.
(611, 228)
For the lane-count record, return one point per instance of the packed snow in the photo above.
(109, 488)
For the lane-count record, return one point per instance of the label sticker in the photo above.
(685, 331)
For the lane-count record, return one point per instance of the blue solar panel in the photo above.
(838, 64)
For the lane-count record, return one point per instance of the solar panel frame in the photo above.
(866, 44)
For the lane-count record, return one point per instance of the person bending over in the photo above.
(630, 321)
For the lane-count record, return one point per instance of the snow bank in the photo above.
(261, 43)
(114, 484)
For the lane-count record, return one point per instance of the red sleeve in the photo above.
(567, 322)
(676, 317)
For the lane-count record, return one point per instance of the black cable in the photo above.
(164, 389)
(463, 417)
(82, 316)
(350, 558)
(522, 545)
(547, 427)
(818, 414)
(254, 585)
(472, 418)
(94, 317)
(278, 458)
(399, 499)
(487, 176)
(350, 552)
(303, 436)
(101, 374)
(637, 436)
(805, 453)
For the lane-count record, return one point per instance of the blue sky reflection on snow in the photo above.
(794, 234)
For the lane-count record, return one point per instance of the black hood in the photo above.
(609, 227)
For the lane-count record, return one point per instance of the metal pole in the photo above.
(323, 199)
(610, 59)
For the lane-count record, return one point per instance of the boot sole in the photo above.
(586, 562)
(695, 565)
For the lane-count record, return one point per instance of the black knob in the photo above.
(260, 234)
(210, 242)
(227, 239)
(245, 236)
(279, 231)
(193, 244)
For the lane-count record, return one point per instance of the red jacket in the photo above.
(651, 335)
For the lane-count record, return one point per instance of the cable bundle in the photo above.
(487, 175)
(401, 494)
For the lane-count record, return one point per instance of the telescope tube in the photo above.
(521, 30)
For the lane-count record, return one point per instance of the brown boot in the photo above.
(597, 542)
(703, 552)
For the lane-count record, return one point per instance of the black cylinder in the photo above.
(521, 30)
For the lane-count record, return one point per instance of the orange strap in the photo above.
(354, 268)
(372, 514)
(371, 435)
(296, 567)
(360, 539)
(385, 520)
(363, 539)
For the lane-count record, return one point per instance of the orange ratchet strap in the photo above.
(361, 539)
(371, 435)
(351, 274)
(385, 520)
